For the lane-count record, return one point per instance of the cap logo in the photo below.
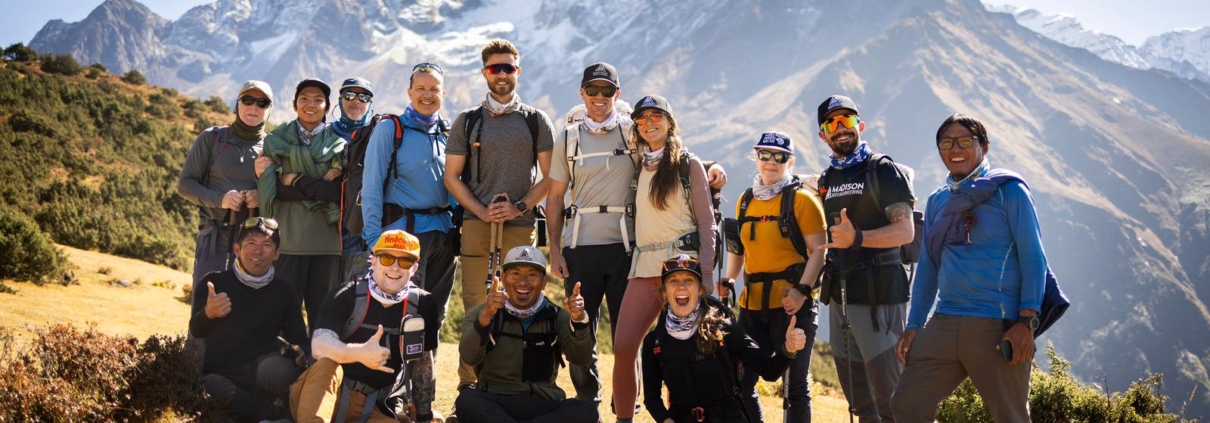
(399, 241)
(834, 103)
(524, 255)
(648, 102)
(774, 139)
(600, 71)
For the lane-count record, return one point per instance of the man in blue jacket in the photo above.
(985, 270)
(415, 198)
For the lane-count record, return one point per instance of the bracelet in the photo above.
(857, 239)
(803, 289)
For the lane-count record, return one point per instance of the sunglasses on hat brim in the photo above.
(253, 222)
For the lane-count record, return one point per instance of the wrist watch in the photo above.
(805, 290)
(1030, 321)
(521, 206)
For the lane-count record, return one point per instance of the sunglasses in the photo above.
(351, 95)
(263, 103)
(498, 68)
(654, 117)
(603, 90)
(387, 260)
(427, 65)
(253, 222)
(963, 142)
(780, 157)
(831, 125)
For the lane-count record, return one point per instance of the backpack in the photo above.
(910, 252)
(474, 123)
(411, 346)
(354, 163)
(541, 353)
(721, 353)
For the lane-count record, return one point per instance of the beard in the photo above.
(503, 90)
(844, 148)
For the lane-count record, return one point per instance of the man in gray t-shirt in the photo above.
(505, 154)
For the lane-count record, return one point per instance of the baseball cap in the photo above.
(600, 71)
(651, 102)
(313, 82)
(679, 263)
(527, 255)
(253, 84)
(356, 82)
(774, 140)
(398, 241)
(836, 102)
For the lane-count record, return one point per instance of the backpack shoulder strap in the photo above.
(360, 308)
(396, 142)
(531, 120)
(474, 120)
(221, 134)
(789, 221)
(871, 175)
(571, 148)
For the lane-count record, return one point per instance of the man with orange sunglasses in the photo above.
(374, 340)
(868, 202)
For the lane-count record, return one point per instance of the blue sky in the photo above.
(1131, 20)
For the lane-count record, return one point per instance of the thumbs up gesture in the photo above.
(843, 233)
(796, 338)
(495, 301)
(217, 305)
(373, 355)
(574, 304)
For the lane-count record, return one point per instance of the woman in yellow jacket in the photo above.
(780, 272)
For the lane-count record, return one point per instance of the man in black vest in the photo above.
(869, 216)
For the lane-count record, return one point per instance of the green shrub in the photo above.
(62, 64)
(163, 106)
(27, 254)
(216, 104)
(1056, 396)
(95, 71)
(19, 52)
(134, 77)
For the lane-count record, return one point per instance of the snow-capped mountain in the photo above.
(1115, 155)
(1185, 53)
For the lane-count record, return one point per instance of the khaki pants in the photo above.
(476, 239)
(947, 351)
(313, 398)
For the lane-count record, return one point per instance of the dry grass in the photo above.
(143, 309)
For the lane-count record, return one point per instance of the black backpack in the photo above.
(354, 164)
(474, 122)
(541, 354)
(910, 252)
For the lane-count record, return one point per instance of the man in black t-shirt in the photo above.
(869, 217)
(367, 331)
(240, 313)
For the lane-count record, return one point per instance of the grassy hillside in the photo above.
(93, 159)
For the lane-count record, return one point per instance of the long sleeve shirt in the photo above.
(418, 182)
(999, 273)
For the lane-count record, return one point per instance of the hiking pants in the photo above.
(313, 278)
(769, 332)
(476, 239)
(601, 271)
(249, 391)
(314, 397)
(640, 307)
(871, 357)
(475, 406)
(436, 271)
(947, 351)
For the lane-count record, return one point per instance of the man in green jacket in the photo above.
(310, 237)
(517, 340)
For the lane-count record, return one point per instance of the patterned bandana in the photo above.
(682, 328)
(527, 313)
(305, 136)
(604, 127)
(415, 116)
(254, 282)
(766, 192)
(384, 298)
(495, 108)
(346, 125)
(979, 172)
(652, 158)
(860, 154)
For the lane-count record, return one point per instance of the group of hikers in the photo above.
(326, 255)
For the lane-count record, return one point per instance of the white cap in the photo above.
(525, 254)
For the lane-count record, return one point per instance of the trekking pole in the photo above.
(491, 255)
(785, 396)
(230, 238)
(844, 320)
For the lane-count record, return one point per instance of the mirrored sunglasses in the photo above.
(831, 125)
(654, 117)
(253, 222)
(427, 65)
(780, 157)
(351, 95)
(496, 69)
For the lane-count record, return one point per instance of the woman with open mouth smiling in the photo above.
(696, 348)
